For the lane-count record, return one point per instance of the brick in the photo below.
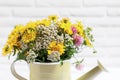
(102, 22)
(107, 42)
(112, 32)
(106, 36)
(60, 3)
(4, 31)
(113, 12)
(112, 52)
(2, 43)
(105, 52)
(114, 3)
(5, 12)
(106, 61)
(11, 22)
(64, 12)
(17, 3)
(87, 12)
(42, 12)
(33, 12)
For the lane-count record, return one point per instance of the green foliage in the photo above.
(61, 62)
(21, 55)
(78, 61)
(69, 52)
(42, 55)
(88, 34)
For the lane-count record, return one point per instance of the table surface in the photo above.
(112, 74)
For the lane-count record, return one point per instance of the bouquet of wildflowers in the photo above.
(47, 40)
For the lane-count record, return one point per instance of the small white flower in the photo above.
(31, 57)
(54, 56)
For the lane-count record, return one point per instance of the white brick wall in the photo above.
(108, 3)
(102, 15)
(17, 3)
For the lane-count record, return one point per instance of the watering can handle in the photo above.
(15, 74)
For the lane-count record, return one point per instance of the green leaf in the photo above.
(14, 51)
(69, 52)
(61, 62)
(42, 55)
(21, 55)
(78, 61)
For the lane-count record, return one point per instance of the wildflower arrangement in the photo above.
(48, 40)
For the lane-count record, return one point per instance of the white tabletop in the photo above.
(113, 74)
(22, 69)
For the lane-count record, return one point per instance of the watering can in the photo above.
(54, 71)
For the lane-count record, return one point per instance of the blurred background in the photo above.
(102, 15)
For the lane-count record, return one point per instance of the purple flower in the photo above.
(74, 30)
(78, 40)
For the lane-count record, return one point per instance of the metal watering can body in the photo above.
(54, 71)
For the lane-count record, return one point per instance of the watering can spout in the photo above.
(90, 75)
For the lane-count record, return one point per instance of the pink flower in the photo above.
(78, 40)
(74, 30)
(79, 66)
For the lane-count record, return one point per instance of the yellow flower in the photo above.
(6, 50)
(29, 35)
(38, 22)
(68, 29)
(66, 25)
(31, 24)
(65, 20)
(54, 46)
(46, 22)
(63, 23)
(18, 29)
(88, 42)
(13, 40)
(80, 28)
(53, 18)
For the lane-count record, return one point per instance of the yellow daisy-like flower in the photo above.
(19, 29)
(31, 24)
(13, 38)
(54, 46)
(53, 18)
(38, 22)
(46, 22)
(68, 29)
(87, 42)
(65, 20)
(6, 50)
(66, 25)
(29, 35)
(80, 28)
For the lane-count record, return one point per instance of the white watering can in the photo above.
(54, 71)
